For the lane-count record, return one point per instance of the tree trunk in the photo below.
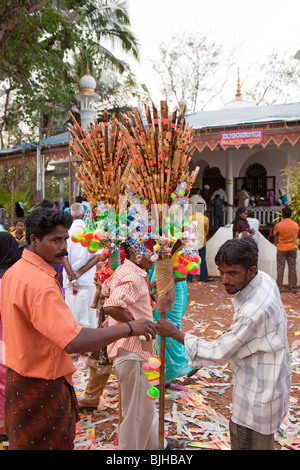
(10, 18)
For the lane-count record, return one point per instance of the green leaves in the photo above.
(39, 59)
(292, 188)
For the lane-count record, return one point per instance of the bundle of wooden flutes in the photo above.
(150, 157)
(102, 160)
(159, 150)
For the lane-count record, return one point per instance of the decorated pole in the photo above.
(162, 385)
(165, 301)
(159, 155)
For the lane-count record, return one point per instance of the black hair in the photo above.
(9, 251)
(46, 203)
(242, 251)
(43, 221)
(238, 217)
(239, 211)
(287, 212)
(127, 246)
(19, 210)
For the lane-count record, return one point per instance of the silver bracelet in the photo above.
(74, 280)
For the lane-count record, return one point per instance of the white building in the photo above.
(245, 144)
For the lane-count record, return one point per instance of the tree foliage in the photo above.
(187, 68)
(11, 16)
(18, 181)
(201, 71)
(274, 80)
(39, 66)
(292, 188)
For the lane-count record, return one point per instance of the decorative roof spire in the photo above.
(238, 96)
(182, 102)
(238, 101)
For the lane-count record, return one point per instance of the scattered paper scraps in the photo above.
(89, 435)
(218, 333)
(190, 415)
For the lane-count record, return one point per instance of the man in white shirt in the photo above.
(197, 201)
(222, 194)
(78, 275)
(255, 344)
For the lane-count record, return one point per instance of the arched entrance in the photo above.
(212, 177)
(256, 178)
(257, 181)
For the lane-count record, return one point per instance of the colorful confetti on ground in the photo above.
(190, 414)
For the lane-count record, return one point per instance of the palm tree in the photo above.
(47, 54)
(107, 23)
(110, 20)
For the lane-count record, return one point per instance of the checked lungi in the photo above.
(40, 414)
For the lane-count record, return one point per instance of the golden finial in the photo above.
(238, 96)
(87, 69)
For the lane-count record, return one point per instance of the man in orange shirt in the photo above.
(286, 232)
(39, 333)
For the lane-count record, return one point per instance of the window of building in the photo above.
(256, 180)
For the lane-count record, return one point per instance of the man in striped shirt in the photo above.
(255, 344)
(129, 298)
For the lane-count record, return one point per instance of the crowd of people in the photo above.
(247, 197)
(245, 224)
(57, 299)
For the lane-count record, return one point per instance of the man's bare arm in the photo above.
(92, 339)
(68, 268)
(90, 264)
(118, 313)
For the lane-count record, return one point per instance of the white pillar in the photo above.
(40, 172)
(229, 186)
(61, 189)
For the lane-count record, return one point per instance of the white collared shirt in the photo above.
(257, 347)
(79, 256)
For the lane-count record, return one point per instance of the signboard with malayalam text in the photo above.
(242, 137)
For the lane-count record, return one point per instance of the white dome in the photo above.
(87, 81)
(238, 104)
(182, 102)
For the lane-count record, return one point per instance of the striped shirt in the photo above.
(129, 289)
(257, 347)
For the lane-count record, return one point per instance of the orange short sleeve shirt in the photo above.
(287, 232)
(37, 323)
